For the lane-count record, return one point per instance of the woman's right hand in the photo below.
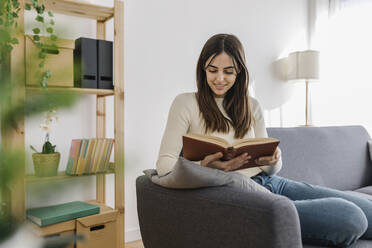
(213, 161)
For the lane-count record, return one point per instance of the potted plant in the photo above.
(46, 162)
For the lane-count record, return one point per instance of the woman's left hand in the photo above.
(269, 160)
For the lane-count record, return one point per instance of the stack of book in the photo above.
(88, 156)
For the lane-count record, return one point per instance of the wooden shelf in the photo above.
(60, 176)
(83, 91)
(79, 8)
(17, 136)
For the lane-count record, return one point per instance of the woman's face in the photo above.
(221, 74)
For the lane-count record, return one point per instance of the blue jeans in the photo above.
(327, 217)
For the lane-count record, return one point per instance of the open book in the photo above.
(197, 146)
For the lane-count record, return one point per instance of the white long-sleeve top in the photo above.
(184, 117)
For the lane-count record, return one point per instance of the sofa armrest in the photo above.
(215, 217)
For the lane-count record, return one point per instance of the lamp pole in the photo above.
(304, 65)
(307, 104)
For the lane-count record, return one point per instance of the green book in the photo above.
(45, 216)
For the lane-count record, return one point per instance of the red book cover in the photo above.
(197, 146)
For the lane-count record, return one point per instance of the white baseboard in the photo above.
(132, 235)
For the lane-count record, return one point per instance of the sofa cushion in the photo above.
(335, 157)
(189, 175)
(360, 194)
(365, 190)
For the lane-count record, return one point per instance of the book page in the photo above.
(207, 138)
(253, 141)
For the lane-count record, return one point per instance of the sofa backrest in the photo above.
(336, 157)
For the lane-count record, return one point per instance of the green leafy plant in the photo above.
(9, 10)
(46, 24)
(9, 13)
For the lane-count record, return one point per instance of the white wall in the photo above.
(163, 40)
(342, 97)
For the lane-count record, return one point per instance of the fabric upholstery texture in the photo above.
(365, 190)
(217, 217)
(360, 194)
(335, 157)
(227, 216)
(189, 175)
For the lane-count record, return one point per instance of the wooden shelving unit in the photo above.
(62, 175)
(16, 138)
(99, 92)
(76, 8)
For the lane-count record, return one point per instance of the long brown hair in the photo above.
(236, 102)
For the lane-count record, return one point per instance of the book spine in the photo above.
(229, 153)
(104, 155)
(76, 159)
(96, 156)
(81, 157)
(101, 155)
(82, 169)
(87, 156)
(107, 161)
(71, 157)
(91, 159)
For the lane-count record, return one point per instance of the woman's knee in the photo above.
(349, 217)
(334, 220)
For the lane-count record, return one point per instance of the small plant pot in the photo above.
(46, 165)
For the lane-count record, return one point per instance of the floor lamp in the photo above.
(304, 66)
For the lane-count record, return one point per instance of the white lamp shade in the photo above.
(303, 65)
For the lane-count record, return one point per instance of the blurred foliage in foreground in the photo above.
(14, 107)
(12, 158)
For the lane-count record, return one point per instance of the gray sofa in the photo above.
(335, 157)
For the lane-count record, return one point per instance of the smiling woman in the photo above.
(221, 74)
(221, 107)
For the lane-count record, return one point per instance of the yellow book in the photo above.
(88, 155)
(108, 155)
(96, 155)
(77, 152)
(82, 164)
(101, 155)
(81, 157)
(105, 154)
(91, 156)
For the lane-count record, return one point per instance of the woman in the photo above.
(222, 107)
